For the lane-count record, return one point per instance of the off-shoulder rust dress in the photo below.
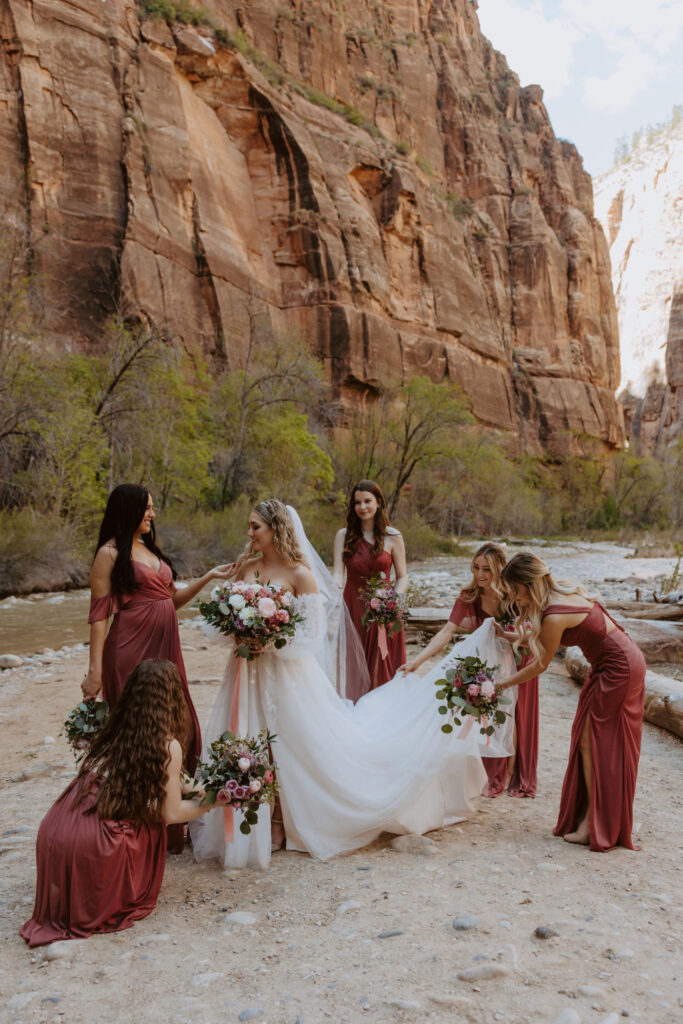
(612, 698)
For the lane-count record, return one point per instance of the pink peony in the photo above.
(266, 607)
(254, 785)
(487, 688)
(282, 616)
(473, 690)
(223, 796)
(264, 592)
(82, 744)
(375, 603)
(268, 777)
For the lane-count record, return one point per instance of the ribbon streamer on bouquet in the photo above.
(466, 729)
(382, 641)
(228, 812)
(485, 723)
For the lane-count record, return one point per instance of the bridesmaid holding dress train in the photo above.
(370, 546)
(101, 848)
(596, 807)
(477, 602)
(134, 581)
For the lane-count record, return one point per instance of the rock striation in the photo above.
(371, 174)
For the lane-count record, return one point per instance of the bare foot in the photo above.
(581, 836)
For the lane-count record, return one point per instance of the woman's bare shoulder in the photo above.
(393, 532)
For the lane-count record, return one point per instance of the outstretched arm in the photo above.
(398, 554)
(338, 570)
(176, 810)
(436, 644)
(185, 594)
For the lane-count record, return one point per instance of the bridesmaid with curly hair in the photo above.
(479, 600)
(101, 848)
(370, 546)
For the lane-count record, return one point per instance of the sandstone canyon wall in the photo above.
(370, 173)
(640, 205)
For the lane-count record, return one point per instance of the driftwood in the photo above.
(648, 610)
(663, 695)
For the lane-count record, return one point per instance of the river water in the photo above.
(28, 625)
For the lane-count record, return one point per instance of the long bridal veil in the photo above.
(340, 652)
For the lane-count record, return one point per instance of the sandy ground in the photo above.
(369, 935)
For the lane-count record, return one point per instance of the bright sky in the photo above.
(607, 67)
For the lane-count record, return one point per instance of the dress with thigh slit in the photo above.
(613, 698)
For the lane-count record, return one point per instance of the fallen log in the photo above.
(647, 610)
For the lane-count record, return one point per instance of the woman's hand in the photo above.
(410, 666)
(92, 684)
(222, 572)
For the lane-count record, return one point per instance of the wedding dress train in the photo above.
(349, 772)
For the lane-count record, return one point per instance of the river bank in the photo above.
(369, 935)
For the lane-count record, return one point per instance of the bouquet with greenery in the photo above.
(469, 690)
(256, 614)
(81, 725)
(506, 619)
(239, 775)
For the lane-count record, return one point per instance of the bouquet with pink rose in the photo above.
(384, 607)
(469, 690)
(239, 775)
(256, 614)
(81, 725)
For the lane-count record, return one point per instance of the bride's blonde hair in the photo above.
(275, 515)
(531, 572)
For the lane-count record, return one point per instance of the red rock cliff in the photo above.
(456, 237)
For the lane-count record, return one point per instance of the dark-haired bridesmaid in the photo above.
(370, 546)
(133, 580)
(101, 848)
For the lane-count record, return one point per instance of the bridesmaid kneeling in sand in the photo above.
(101, 848)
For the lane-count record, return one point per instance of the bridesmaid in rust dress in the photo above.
(596, 807)
(370, 546)
(478, 601)
(133, 580)
(101, 848)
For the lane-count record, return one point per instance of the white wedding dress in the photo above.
(349, 772)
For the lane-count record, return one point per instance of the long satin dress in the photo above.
(469, 615)
(93, 875)
(360, 567)
(613, 698)
(146, 626)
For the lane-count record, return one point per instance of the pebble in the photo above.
(466, 922)
(347, 905)
(484, 972)
(461, 1002)
(390, 933)
(21, 999)
(591, 991)
(63, 949)
(52, 999)
(47, 740)
(545, 932)
(10, 661)
(240, 917)
(207, 977)
(420, 845)
(549, 866)
(567, 1017)
(611, 1018)
(32, 771)
(251, 1011)
(403, 1004)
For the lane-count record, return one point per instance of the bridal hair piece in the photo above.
(274, 514)
(530, 571)
(342, 654)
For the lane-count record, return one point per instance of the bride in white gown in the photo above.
(346, 772)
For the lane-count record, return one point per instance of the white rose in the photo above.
(244, 764)
(237, 601)
(247, 615)
(215, 592)
(487, 688)
(266, 607)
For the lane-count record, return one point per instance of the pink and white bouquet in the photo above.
(469, 690)
(384, 607)
(256, 614)
(82, 724)
(239, 775)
